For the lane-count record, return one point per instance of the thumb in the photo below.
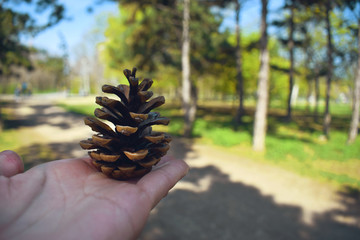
(10, 163)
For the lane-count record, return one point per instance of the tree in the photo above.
(65, 57)
(289, 24)
(312, 44)
(291, 53)
(189, 102)
(48, 73)
(326, 5)
(136, 37)
(354, 125)
(327, 116)
(263, 85)
(15, 23)
(239, 67)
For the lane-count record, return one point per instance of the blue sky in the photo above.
(79, 23)
(82, 22)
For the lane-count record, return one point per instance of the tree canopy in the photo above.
(15, 23)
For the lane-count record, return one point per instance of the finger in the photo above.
(158, 182)
(87, 160)
(10, 163)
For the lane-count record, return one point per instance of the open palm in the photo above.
(70, 199)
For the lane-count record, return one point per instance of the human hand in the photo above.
(70, 199)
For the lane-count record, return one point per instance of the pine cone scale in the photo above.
(145, 84)
(154, 103)
(120, 93)
(126, 130)
(136, 156)
(109, 158)
(150, 162)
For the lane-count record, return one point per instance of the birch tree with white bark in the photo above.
(260, 123)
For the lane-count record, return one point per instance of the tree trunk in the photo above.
(189, 102)
(353, 131)
(309, 80)
(263, 86)
(317, 94)
(308, 95)
(239, 75)
(327, 116)
(291, 53)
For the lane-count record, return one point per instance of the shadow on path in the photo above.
(232, 210)
(180, 147)
(38, 115)
(40, 153)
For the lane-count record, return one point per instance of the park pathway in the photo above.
(224, 196)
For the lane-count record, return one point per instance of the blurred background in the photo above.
(263, 97)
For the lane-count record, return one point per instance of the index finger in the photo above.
(162, 178)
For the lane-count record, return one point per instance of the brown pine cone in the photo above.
(131, 148)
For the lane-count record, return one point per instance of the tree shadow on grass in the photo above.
(210, 206)
(301, 120)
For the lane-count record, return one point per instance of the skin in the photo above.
(70, 199)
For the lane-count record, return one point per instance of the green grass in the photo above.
(85, 109)
(297, 146)
(10, 139)
(332, 161)
(335, 109)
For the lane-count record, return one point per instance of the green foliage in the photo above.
(46, 75)
(279, 79)
(251, 64)
(135, 38)
(11, 51)
(14, 23)
(75, 85)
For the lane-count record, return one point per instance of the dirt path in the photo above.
(224, 196)
(48, 131)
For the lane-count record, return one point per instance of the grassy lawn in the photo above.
(297, 145)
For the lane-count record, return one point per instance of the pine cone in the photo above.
(132, 148)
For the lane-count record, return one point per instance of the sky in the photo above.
(73, 29)
(81, 22)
